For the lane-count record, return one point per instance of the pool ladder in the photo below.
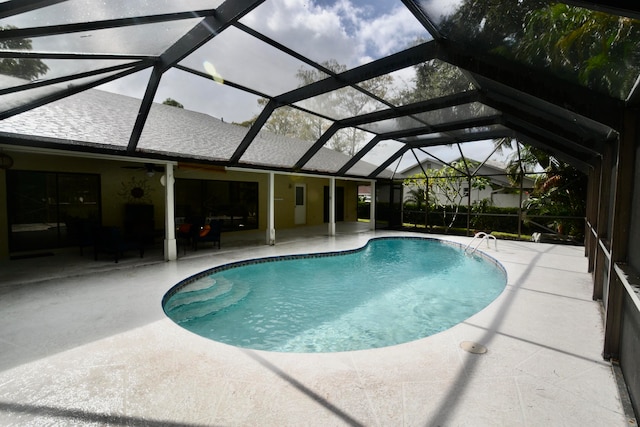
(483, 237)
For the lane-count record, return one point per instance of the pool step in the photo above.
(221, 295)
(206, 288)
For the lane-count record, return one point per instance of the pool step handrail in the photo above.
(483, 237)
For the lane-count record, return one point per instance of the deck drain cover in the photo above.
(473, 347)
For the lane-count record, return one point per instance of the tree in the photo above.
(560, 190)
(23, 68)
(417, 194)
(434, 79)
(595, 49)
(599, 48)
(246, 123)
(444, 188)
(522, 159)
(491, 25)
(344, 103)
(293, 122)
(172, 102)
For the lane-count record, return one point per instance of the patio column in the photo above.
(372, 206)
(271, 229)
(602, 221)
(620, 220)
(332, 206)
(591, 226)
(170, 249)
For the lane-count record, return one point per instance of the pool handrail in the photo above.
(483, 237)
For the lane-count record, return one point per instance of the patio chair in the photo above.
(184, 235)
(81, 232)
(208, 233)
(111, 240)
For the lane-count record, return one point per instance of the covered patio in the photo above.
(93, 347)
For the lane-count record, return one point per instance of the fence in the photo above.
(509, 221)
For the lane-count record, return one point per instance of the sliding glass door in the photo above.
(46, 208)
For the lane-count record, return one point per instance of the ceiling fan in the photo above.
(149, 168)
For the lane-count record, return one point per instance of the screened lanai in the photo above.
(383, 79)
(384, 83)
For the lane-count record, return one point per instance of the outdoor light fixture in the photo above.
(5, 161)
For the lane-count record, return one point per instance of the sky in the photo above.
(349, 32)
(337, 30)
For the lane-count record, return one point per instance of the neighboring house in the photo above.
(500, 192)
(364, 193)
(69, 165)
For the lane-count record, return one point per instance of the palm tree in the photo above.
(559, 191)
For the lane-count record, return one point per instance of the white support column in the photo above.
(372, 207)
(271, 230)
(332, 206)
(170, 248)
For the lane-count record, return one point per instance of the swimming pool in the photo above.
(391, 291)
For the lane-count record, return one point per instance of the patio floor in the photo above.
(86, 342)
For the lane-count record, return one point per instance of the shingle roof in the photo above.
(105, 120)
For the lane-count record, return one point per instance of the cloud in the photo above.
(392, 32)
(307, 28)
(341, 30)
(349, 34)
(440, 9)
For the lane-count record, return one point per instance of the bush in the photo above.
(490, 219)
(364, 210)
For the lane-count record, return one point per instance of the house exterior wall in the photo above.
(116, 182)
(502, 200)
(351, 200)
(496, 199)
(231, 175)
(285, 200)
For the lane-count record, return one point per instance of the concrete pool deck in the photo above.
(86, 342)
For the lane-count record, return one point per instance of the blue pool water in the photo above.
(394, 290)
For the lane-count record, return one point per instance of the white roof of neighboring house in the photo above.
(490, 168)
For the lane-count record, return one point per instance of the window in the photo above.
(46, 208)
(235, 202)
(299, 196)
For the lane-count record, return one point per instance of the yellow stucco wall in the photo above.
(285, 199)
(350, 201)
(118, 180)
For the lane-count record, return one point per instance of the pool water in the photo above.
(394, 290)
